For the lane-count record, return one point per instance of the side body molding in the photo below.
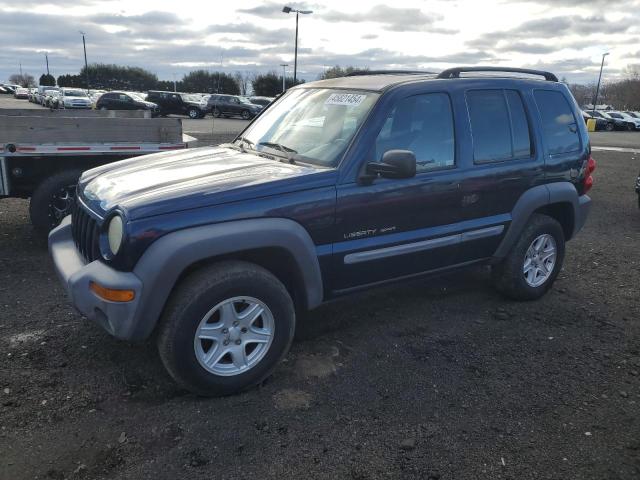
(165, 260)
(530, 201)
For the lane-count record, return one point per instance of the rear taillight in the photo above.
(588, 179)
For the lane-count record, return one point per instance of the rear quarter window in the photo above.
(559, 125)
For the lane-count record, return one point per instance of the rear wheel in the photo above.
(53, 200)
(534, 261)
(225, 328)
(609, 127)
(216, 113)
(631, 127)
(246, 114)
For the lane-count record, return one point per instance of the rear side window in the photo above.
(558, 123)
(499, 126)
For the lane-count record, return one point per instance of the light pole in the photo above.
(295, 58)
(86, 65)
(46, 58)
(595, 102)
(284, 75)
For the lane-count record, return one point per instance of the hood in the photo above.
(179, 180)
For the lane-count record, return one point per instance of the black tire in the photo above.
(216, 113)
(246, 114)
(631, 127)
(610, 127)
(46, 208)
(193, 113)
(508, 276)
(196, 295)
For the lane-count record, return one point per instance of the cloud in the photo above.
(274, 9)
(391, 18)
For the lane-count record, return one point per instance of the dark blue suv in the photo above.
(338, 186)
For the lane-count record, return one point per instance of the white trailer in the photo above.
(43, 153)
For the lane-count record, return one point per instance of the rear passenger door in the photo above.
(502, 163)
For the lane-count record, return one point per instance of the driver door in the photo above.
(394, 228)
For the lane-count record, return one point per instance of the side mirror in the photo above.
(395, 164)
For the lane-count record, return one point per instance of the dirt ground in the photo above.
(433, 380)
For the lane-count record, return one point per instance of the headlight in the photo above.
(115, 233)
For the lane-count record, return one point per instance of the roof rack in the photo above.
(357, 73)
(455, 72)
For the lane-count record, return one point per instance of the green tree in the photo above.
(47, 80)
(270, 84)
(72, 81)
(201, 81)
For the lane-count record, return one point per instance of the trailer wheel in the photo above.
(53, 200)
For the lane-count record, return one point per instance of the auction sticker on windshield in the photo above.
(351, 99)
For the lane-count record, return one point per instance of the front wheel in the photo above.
(610, 127)
(216, 113)
(225, 328)
(631, 127)
(534, 261)
(193, 113)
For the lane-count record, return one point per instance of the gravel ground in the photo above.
(433, 380)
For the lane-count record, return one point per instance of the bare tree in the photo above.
(244, 81)
(23, 79)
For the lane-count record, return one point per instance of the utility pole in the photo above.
(295, 58)
(46, 58)
(86, 65)
(595, 101)
(284, 75)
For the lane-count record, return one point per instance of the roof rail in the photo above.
(357, 73)
(455, 72)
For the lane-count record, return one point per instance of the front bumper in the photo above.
(120, 319)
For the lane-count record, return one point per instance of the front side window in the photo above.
(499, 126)
(422, 124)
(558, 123)
(313, 125)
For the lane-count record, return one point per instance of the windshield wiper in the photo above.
(243, 141)
(288, 152)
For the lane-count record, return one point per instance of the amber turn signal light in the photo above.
(111, 294)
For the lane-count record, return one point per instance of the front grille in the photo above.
(86, 233)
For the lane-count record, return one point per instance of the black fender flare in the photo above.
(532, 200)
(167, 258)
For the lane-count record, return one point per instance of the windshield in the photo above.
(74, 93)
(137, 97)
(313, 125)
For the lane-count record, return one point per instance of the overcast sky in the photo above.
(170, 37)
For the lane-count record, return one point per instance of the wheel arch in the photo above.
(559, 200)
(279, 245)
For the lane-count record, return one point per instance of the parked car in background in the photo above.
(601, 123)
(264, 101)
(74, 98)
(125, 101)
(630, 123)
(632, 114)
(232, 106)
(51, 98)
(21, 92)
(616, 123)
(42, 93)
(33, 95)
(178, 103)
